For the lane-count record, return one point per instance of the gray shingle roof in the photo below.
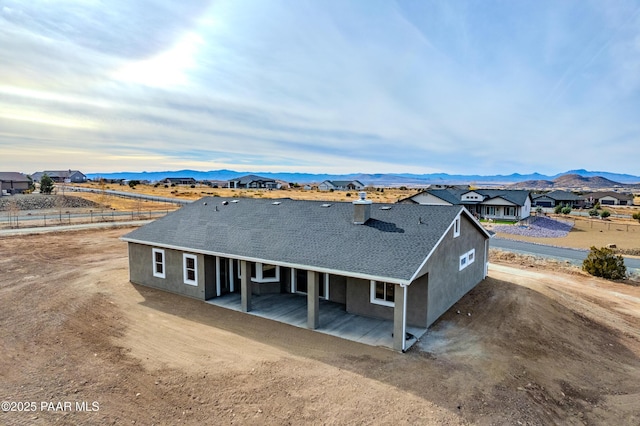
(245, 180)
(13, 176)
(392, 245)
(559, 195)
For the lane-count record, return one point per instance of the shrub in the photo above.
(605, 214)
(166, 186)
(348, 194)
(538, 210)
(593, 212)
(636, 216)
(193, 186)
(558, 209)
(603, 262)
(566, 210)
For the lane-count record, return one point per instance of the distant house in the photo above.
(557, 198)
(61, 176)
(398, 267)
(253, 181)
(341, 185)
(609, 198)
(179, 181)
(484, 203)
(13, 183)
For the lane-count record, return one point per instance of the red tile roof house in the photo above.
(393, 267)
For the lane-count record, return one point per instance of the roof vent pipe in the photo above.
(361, 209)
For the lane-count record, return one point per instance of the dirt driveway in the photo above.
(527, 347)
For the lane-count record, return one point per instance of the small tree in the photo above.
(558, 209)
(636, 216)
(133, 183)
(593, 212)
(605, 214)
(566, 210)
(46, 184)
(603, 262)
(538, 210)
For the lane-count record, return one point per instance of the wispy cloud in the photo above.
(477, 87)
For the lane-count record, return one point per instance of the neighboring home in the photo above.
(253, 181)
(13, 183)
(341, 185)
(608, 198)
(343, 263)
(485, 203)
(557, 198)
(179, 181)
(61, 176)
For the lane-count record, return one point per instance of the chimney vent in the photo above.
(361, 209)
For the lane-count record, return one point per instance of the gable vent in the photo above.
(325, 205)
(385, 208)
(276, 203)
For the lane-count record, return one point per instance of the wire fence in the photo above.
(18, 219)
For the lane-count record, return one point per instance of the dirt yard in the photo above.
(525, 347)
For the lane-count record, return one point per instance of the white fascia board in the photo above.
(273, 262)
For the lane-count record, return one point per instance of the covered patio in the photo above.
(333, 319)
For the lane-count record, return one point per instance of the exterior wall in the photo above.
(472, 196)
(338, 289)
(359, 302)
(325, 186)
(446, 283)
(141, 271)
(14, 187)
(417, 301)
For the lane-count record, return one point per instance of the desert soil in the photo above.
(526, 346)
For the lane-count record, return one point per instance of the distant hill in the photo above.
(571, 181)
(535, 180)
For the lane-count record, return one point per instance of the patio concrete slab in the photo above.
(334, 319)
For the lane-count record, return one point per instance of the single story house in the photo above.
(557, 198)
(179, 181)
(341, 185)
(484, 203)
(61, 176)
(609, 198)
(400, 263)
(253, 181)
(13, 183)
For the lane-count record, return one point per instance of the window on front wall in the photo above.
(382, 293)
(158, 263)
(509, 211)
(190, 269)
(265, 273)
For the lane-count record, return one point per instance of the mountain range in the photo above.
(400, 179)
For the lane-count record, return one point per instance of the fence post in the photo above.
(45, 220)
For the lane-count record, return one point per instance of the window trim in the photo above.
(456, 227)
(187, 281)
(467, 259)
(154, 263)
(259, 267)
(372, 295)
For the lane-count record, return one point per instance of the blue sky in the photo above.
(323, 86)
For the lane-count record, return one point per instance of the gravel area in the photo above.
(540, 227)
(43, 202)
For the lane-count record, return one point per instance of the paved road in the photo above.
(131, 195)
(575, 256)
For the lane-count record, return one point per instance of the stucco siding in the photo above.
(417, 297)
(359, 302)
(447, 283)
(141, 271)
(338, 289)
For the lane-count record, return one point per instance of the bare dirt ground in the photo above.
(539, 347)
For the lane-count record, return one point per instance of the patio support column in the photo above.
(313, 300)
(245, 287)
(399, 317)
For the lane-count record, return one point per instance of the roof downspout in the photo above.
(404, 317)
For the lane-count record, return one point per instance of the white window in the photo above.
(467, 259)
(382, 293)
(190, 269)
(265, 273)
(456, 227)
(158, 263)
